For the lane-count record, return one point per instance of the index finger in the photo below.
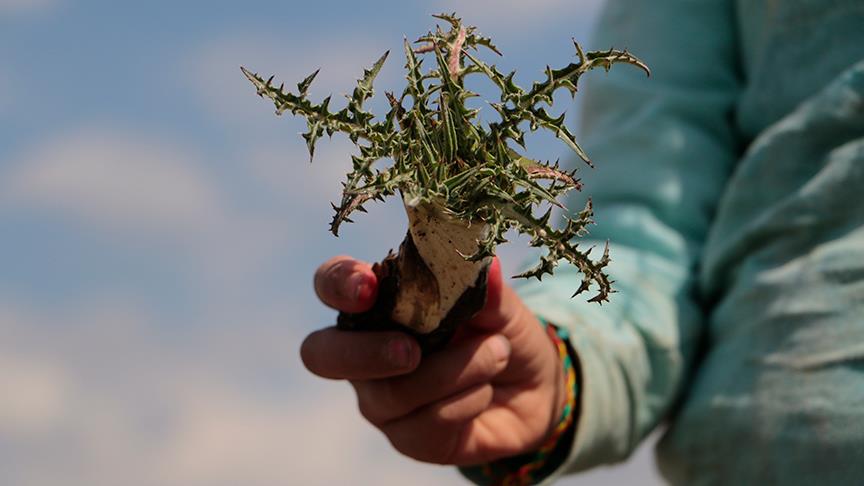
(359, 355)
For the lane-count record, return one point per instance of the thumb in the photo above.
(498, 311)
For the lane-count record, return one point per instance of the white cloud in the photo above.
(115, 180)
(26, 6)
(109, 399)
(146, 195)
(227, 438)
(34, 393)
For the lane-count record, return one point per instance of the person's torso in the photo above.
(779, 396)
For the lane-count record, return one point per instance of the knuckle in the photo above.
(440, 416)
(386, 394)
(446, 414)
(488, 362)
(429, 454)
(411, 442)
(457, 411)
(374, 400)
(405, 446)
(308, 353)
(367, 409)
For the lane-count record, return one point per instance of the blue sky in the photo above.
(159, 229)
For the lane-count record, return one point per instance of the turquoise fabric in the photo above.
(730, 186)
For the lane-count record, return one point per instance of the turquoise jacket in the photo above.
(730, 186)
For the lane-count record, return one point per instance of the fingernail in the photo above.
(399, 352)
(358, 286)
(500, 347)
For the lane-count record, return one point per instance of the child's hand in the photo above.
(495, 391)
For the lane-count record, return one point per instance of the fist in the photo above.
(495, 391)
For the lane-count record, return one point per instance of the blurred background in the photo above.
(159, 228)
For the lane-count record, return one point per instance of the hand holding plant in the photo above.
(495, 391)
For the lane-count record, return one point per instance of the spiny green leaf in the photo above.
(443, 155)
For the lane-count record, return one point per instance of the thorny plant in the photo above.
(445, 156)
